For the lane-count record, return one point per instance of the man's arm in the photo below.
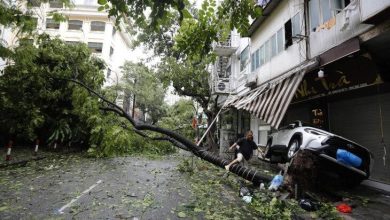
(233, 145)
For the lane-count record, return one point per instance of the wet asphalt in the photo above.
(122, 188)
(77, 187)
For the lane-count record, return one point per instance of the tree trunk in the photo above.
(246, 173)
(249, 174)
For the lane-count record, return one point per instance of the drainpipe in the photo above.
(307, 27)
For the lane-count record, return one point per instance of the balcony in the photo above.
(227, 47)
(344, 25)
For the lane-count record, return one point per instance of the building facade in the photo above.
(321, 62)
(84, 24)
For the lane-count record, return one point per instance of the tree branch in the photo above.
(244, 172)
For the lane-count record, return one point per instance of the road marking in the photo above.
(61, 210)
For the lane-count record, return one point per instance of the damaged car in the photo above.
(340, 157)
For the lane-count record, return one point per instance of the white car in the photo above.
(283, 145)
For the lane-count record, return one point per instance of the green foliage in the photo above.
(179, 117)
(15, 18)
(140, 82)
(108, 138)
(196, 34)
(187, 79)
(185, 166)
(33, 102)
(238, 13)
(327, 211)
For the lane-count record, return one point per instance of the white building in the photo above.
(322, 62)
(88, 25)
(6, 36)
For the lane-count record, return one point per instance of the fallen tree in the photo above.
(175, 138)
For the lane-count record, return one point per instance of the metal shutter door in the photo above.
(359, 120)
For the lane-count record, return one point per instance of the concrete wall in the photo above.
(344, 26)
(289, 57)
(368, 9)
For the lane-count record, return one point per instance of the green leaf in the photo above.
(101, 8)
(102, 2)
(197, 210)
(181, 215)
(3, 208)
(186, 14)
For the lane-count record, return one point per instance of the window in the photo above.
(325, 10)
(262, 55)
(314, 12)
(273, 46)
(108, 73)
(296, 25)
(75, 25)
(267, 51)
(111, 51)
(321, 11)
(253, 64)
(26, 41)
(55, 4)
(72, 42)
(52, 24)
(33, 3)
(288, 33)
(95, 47)
(244, 58)
(98, 26)
(279, 39)
(257, 54)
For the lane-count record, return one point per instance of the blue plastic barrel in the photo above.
(348, 158)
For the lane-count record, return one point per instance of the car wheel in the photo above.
(292, 148)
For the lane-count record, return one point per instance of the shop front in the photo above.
(350, 100)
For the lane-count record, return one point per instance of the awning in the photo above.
(269, 101)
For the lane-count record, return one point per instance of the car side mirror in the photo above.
(291, 126)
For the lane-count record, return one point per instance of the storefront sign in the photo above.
(340, 77)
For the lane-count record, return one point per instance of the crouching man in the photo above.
(245, 147)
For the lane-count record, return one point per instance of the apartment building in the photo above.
(85, 24)
(323, 62)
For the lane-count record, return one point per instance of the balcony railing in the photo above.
(227, 47)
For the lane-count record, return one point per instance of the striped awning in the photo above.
(270, 101)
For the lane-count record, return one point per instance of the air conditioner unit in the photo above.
(222, 86)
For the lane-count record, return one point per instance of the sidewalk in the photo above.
(22, 154)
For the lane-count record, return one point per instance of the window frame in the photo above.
(53, 22)
(296, 20)
(274, 45)
(75, 29)
(93, 27)
(318, 11)
(244, 58)
(95, 49)
(280, 40)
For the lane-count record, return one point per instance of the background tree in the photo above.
(145, 88)
(32, 104)
(36, 102)
(179, 117)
